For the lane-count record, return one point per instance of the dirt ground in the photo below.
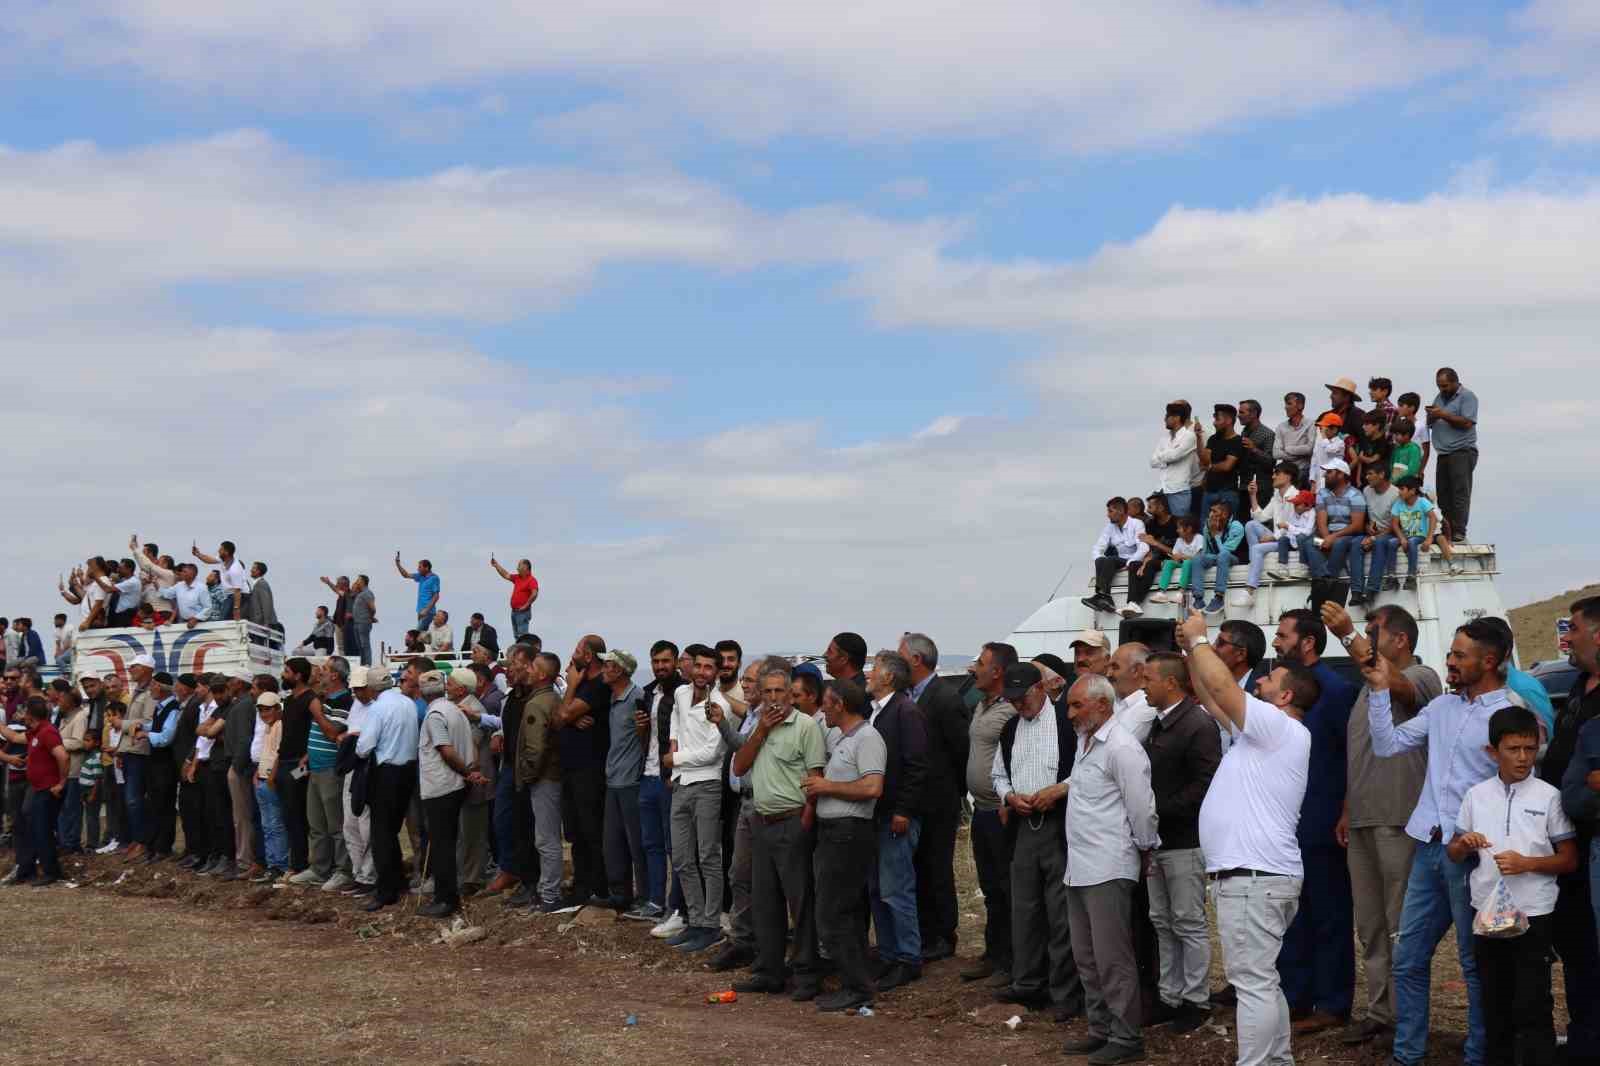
(150, 965)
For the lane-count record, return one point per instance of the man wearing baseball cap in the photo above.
(1341, 525)
(134, 752)
(626, 872)
(1091, 653)
(1030, 770)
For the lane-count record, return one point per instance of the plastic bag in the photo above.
(1500, 918)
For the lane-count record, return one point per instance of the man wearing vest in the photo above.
(1031, 766)
(161, 780)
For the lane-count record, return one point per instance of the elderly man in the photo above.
(624, 852)
(1111, 828)
(1453, 425)
(440, 636)
(783, 750)
(1119, 546)
(513, 802)
(738, 923)
(461, 688)
(357, 828)
(898, 720)
(189, 596)
(1184, 748)
(538, 775)
(161, 781)
(390, 736)
(1031, 765)
(1247, 831)
(259, 607)
(446, 764)
(133, 752)
(991, 840)
(238, 733)
(585, 740)
(948, 720)
(1126, 674)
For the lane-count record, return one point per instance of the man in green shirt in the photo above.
(784, 749)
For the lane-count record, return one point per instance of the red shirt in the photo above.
(522, 591)
(43, 773)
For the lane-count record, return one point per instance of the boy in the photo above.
(1414, 521)
(1379, 389)
(1410, 404)
(1373, 448)
(1406, 461)
(1518, 825)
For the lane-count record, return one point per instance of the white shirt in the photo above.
(358, 715)
(1111, 810)
(652, 750)
(1526, 818)
(1035, 757)
(258, 739)
(202, 745)
(1135, 715)
(65, 635)
(1177, 456)
(1124, 539)
(699, 745)
(1279, 509)
(191, 599)
(234, 576)
(877, 707)
(1250, 813)
(439, 638)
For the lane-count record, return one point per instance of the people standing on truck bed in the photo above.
(1453, 423)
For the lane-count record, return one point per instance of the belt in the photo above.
(781, 816)
(1243, 871)
(1435, 835)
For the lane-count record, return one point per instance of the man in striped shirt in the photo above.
(330, 858)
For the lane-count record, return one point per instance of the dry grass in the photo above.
(1535, 624)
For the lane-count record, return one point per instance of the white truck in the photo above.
(177, 649)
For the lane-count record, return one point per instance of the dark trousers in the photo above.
(1515, 974)
(1455, 488)
(583, 803)
(1140, 578)
(219, 807)
(94, 803)
(133, 805)
(505, 794)
(524, 856)
(1146, 951)
(991, 852)
(937, 913)
(731, 804)
(781, 892)
(114, 796)
(36, 836)
(292, 802)
(624, 849)
(444, 826)
(389, 797)
(161, 802)
(192, 810)
(1105, 572)
(1572, 934)
(1317, 963)
(847, 851)
(69, 826)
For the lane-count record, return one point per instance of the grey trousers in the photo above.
(1380, 867)
(744, 929)
(1253, 913)
(472, 844)
(782, 892)
(1183, 937)
(242, 793)
(545, 796)
(697, 850)
(358, 841)
(624, 848)
(1041, 938)
(325, 824)
(1101, 917)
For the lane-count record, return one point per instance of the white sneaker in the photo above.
(1456, 569)
(1245, 598)
(1131, 610)
(338, 882)
(669, 928)
(1159, 597)
(109, 848)
(308, 876)
(1278, 573)
(727, 923)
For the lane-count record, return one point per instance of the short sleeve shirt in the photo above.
(1379, 507)
(234, 577)
(788, 753)
(1413, 516)
(1251, 812)
(1384, 791)
(1527, 818)
(427, 589)
(522, 591)
(1447, 438)
(1340, 506)
(852, 756)
(1164, 532)
(444, 724)
(1220, 449)
(43, 773)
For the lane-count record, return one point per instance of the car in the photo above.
(1557, 676)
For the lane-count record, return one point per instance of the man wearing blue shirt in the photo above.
(427, 589)
(161, 774)
(1455, 729)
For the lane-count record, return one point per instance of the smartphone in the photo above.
(298, 772)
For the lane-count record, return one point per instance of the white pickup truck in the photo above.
(177, 649)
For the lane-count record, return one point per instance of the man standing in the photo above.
(1258, 443)
(1117, 547)
(1317, 965)
(238, 734)
(363, 614)
(390, 737)
(1293, 439)
(899, 721)
(193, 696)
(628, 878)
(1177, 457)
(133, 752)
(1126, 674)
(1111, 829)
(538, 773)
(427, 589)
(1032, 762)
(189, 597)
(944, 787)
(847, 841)
(991, 842)
(1184, 749)
(653, 723)
(1453, 425)
(161, 772)
(738, 824)
(446, 765)
(846, 659)
(584, 739)
(290, 779)
(46, 762)
(783, 750)
(514, 791)
(358, 827)
(259, 608)
(1247, 832)
(524, 591)
(1455, 729)
(1341, 525)
(1380, 795)
(1223, 458)
(695, 761)
(1342, 396)
(342, 644)
(326, 851)
(479, 632)
(234, 584)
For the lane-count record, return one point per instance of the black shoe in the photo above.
(377, 903)
(893, 977)
(44, 882)
(612, 903)
(1190, 1017)
(805, 992)
(978, 971)
(1362, 1032)
(733, 957)
(1064, 1014)
(525, 896)
(763, 985)
(938, 950)
(438, 909)
(1161, 1014)
(1116, 1055)
(1358, 599)
(1031, 1000)
(188, 862)
(1084, 1045)
(844, 999)
(1225, 997)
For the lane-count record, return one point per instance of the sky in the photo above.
(761, 321)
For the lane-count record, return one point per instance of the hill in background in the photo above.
(1535, 624)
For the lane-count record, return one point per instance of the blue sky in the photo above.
(771, 324)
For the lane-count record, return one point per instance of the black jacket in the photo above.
(183, 737)
(1067, 751)
(1184, 751)
(663, 715)
(949, 720)
(487, 637)
(905, 735)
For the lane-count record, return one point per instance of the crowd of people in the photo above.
(1345, 492)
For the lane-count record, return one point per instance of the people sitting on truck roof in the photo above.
(1119, 546)
(1223, 535)
(1274, 526)
(440, 636)
(1341, 523)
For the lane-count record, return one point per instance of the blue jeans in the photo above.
(505, 794)
(133, 797)
(424, 621)
(362, 631)
(655, 833)
(1178, 502)
(519, 621)
(274, 836)
(1437, 897)
(1223, 562)
(1412, 546)
(1346, 551)
(36, 836)
(1262, 544)
(1382, 555)
(893, 885)
(69, 827)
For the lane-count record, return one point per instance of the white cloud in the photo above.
(1077, 77)
(1563, 38)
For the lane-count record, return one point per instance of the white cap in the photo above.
(358, 676)
(1337, 464)
(143, 660)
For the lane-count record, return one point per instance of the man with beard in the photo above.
(389, 736)
(653, 722)
(991, 841)
(584, 738)
(695, 761)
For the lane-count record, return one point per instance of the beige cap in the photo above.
(267, 699)
(463, 676)
(1092, 638)
(358, 677)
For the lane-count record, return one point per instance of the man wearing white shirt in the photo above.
(1248, 828)
(695, 761)
(1177, 457)
(1126, 674)
(1119, 546)
(235, 582)
(440, 637)
(188, 596)
(358, 828)
(1111, 829)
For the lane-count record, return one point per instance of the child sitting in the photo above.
(1515, 824)
(1407, 458)
(1328, 446)
(1189, 545)
(1414, 522)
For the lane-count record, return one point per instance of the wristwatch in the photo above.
(1348, 639)
(1201, 639)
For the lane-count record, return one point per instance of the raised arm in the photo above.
(403, 572)
(500, 569)
(1388, 738)
(1213, 681)
(209, 560)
